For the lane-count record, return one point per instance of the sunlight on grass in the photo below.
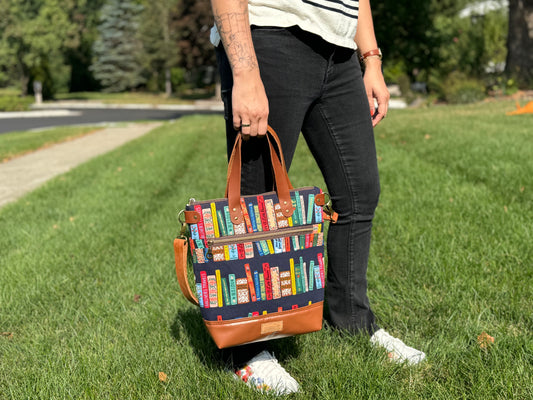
(91, 307)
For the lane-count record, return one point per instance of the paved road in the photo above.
(92, 116)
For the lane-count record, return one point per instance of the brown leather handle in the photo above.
(180, 253)
(281, 178)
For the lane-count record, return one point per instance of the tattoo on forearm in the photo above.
(234, 30)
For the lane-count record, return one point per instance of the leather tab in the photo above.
(180, 253)
(320, 199)
(192, 217)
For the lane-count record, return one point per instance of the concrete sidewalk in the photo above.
(24, 174)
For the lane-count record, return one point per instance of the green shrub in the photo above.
(15, 103)
(459, 89)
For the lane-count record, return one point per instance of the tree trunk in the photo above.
(520, 42)
(168, 83)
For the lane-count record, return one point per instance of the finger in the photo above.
(371, 103)
(262, 127)
(245, 129)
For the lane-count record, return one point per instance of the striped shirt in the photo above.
(334, 20)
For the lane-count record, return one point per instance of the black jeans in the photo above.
(317, 88)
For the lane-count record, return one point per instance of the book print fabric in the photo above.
(265, 265)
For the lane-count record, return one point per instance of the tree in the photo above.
(161, 52)
(84, 15)
(33, 36)
(193, 22)
(117, 50)
(520, 42)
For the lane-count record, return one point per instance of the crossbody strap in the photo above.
(180, 252)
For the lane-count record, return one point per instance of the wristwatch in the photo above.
(371, 53)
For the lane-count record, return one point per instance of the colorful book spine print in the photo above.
(311, 274)
(246, 217)
(219, 288)
(298, 278)
(201, 228)
(251, 213)
(225, 292)
(200, 257)
(240, 251)
(302, 210)
(232, 289)
(285, 283)
(271, 215)
(194, 231)
(268, 281)
(318, 279)
(295, 215)
(218, 253)
(200, 295)
(276, 283)
(213, 291)
(229, 224)
(243, 295)
(208, 223)
(322, 269)
(262, 286)
(270, 247)
(248, 250)
(222, 223)
(306, 279)
(205, 288)
(249, 279)
(214, 217)
(318, 214)
(259, 248)
(233, 252)
(262, 212)
(293, 277)
(257, 218)
(264, 247)
(302, 277)
(257, 286)
(278, 245)
(310, 208)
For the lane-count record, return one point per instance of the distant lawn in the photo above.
(90, 307)
(14, 144)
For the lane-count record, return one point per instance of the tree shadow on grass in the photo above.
(188, 327)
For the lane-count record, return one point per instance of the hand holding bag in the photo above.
(258, 260)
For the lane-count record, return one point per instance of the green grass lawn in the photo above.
(14, 144)
(90, 306)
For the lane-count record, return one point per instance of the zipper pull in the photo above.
(209, 254)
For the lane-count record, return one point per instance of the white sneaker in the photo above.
(398, 350)
(264, 373)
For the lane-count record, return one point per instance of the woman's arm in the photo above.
(249, 101)
(373, 78)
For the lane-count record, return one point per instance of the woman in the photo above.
(295, 65)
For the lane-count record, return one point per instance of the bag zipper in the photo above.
(257, 236)
(193, 201)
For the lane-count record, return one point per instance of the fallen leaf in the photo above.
(505, 209)
(163, 377)
(451, 199)
(522, 189)
(427, 137)
(136, 298)
(485, 340)
(71, 219)
(56, 226)
(8, 335)
(119, 169)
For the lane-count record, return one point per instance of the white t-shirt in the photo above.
(334, 20)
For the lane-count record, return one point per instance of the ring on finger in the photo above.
(245, 125)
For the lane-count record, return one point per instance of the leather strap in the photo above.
(281, 178)
(180, 253)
